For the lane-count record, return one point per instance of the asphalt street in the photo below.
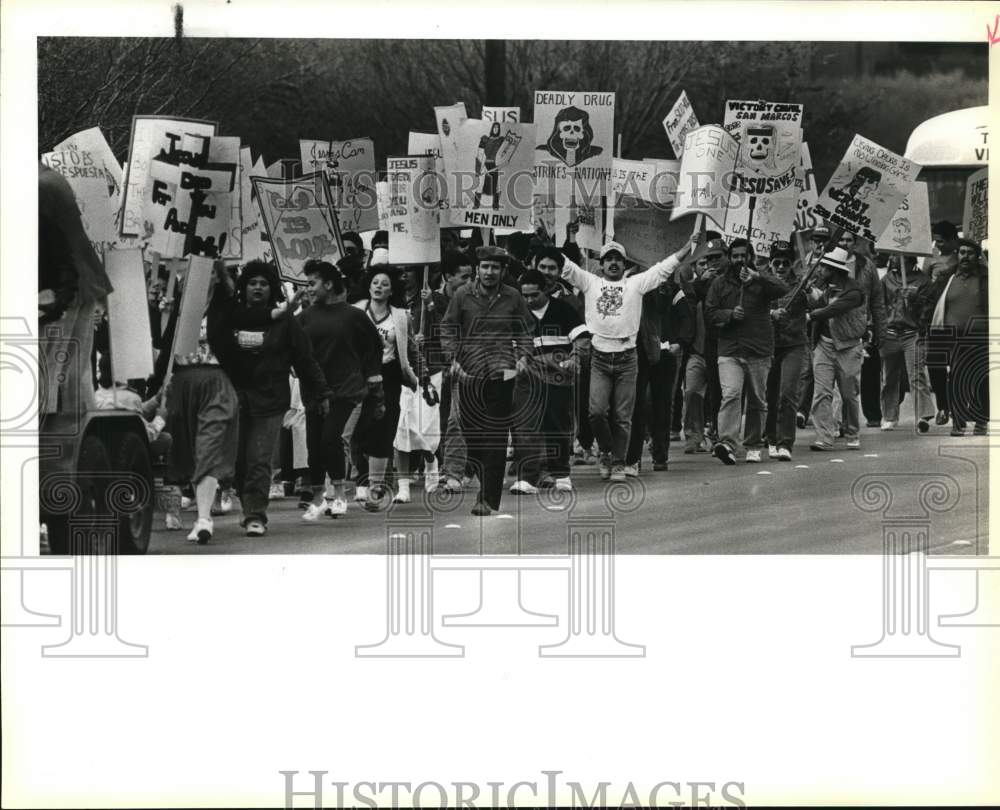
(811, 505)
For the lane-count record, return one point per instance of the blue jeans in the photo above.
(783, 383)
(258, 437)
(612, 399)
(735, 374)
(840, 368)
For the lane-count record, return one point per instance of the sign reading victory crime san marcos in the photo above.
(679, 122)
(299, 220)
(867, 188)
(499, 158)
(350, 170)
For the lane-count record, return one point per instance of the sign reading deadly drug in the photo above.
(867, 188)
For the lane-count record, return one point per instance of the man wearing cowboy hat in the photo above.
(613, 309)
(839, 318)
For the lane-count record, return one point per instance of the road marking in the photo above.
(505, 517)
(763, 472)
(453, 526)
(962, 543)
(801, 466)
(871, 455)
(836, 461)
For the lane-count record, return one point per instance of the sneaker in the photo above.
(820, 446)
(632, 470)
(186, 502)
(481, 509)
(942, 417)
(523, 488)
(923, 425)
(772, 450)
(277, 492)
(753, 456)
(800, 420)
(604, 466)
(957, 431)
(453, 485)
(403, 495)
(783, 454)
(202, 531)
(222, 505)
(618, 473)
(873, 423)
(854, 444)
(724, 454)
(360, 493)
(660, 466)
(314, 512)
(563, 485)
(173, 523)
(979, 430)
(334, 507)
(256, 528)
(888, 425)
(376, 498)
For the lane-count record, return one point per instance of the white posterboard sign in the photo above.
(866, 189)
(414, 220)
(679, 122)
(705, 174)
(128, 316)
(502, 115)
(909, 230)
(805, 218)
(300, 222)
(350, 171)
(151, 136)
(194, 303)
(429, 143)
(495, 165)
(975, 220)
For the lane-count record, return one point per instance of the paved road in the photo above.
(699, 507)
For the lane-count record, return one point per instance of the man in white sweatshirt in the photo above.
(612, 310)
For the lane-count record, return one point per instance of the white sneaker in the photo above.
(202, 531)
(432, 476)
(186, 502)
(361, 493)
(564, 485)
(314, 512)
(887, 425)
(276, 493)
(772, 450)
(632, 470)
(854, 444)
(335, 507)
(403, 496)
(783, 454)
(523, 488)
(173, 522)
(753, 456)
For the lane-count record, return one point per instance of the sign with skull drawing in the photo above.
(574, 147)
(765, 193)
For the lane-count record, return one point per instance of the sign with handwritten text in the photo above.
(502, 115)
(679, 122)
(414, 219)
(909, 231)
(975, 220)
(350, 171)
(706, 173)
(300, 222)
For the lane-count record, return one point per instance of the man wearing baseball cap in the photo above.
(840, 320)
(613, 309)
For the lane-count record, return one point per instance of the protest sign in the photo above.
(502, 115)
(151, 136)
(128, 316)
(253, 246)
(234, 242)
(194, 303)
(429, 143)
(909, 231)
(494, 170)
(706, 171)
(382, 193)
(805, 180)
(643, 225)
(350, 171)
(299, 221)
(867, 188)
(633, 178)
(665, 181)
(188, 204)
(974, 219)
(414, 219)
(679, 122)
(764, 201)
(95, 192)
(449, 119)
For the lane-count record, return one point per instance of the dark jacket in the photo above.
(867, 278)
(347, 347)
(753, 336)
(842, 308)
(264, 362)
(677, 314)
(487, 335)
(908, 309)
(431, 358)
(790, 329)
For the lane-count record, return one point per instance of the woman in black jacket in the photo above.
(260, 373)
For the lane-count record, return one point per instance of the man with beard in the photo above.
(739, 305)
(961, 314)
